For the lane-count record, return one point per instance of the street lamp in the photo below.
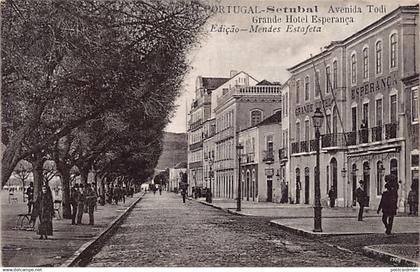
(317, 118)
(239, 149)
(209, 200)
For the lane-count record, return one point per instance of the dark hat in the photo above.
(361, 181)
(76, 185)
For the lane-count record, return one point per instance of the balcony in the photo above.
(363, 136)
(196, 124)
(391, 131)
(312, 145)
(283, 154)
(333, 140)
(304, 146)
(376, 134)
(224, 134)
(295, 147)
(248, 158)
(196, 145)
(268, 156)
(351, 138)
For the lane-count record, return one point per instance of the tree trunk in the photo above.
(38, 167)
(84, 172)
(65, 181)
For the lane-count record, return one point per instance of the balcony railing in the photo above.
(196, 124)
(351, 138)
(333, 140)
(224, 134)
(295, 147)
(312, 144)
(304, 146)
(283, 153)
(248, 158)
(391, 131)
(268, 156)
(376, 134)
(196, 145)
(363, 136)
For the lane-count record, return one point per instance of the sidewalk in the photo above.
(23, 248)
(335, 221)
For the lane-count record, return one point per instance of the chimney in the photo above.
(233, 73)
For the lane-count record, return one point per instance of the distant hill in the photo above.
(174, 150)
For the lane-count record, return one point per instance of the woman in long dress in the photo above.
(44, 209)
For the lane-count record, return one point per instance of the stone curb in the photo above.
(78, 256)
(389, 258)
(223, 209)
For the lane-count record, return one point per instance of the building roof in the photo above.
(273, 119)
(268, 83)
(211, 83)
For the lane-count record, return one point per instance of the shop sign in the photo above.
(310, 108)
(379, 84)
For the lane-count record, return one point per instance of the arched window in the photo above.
(335, 121)
(393, 50)
(393, 168)
(307, 185)
(297, 91)
(353, 68)
(306, 88)
(298, 186)
(380, 170)
(334, 177)
(256, 116)
(365, 63)
(378, 55)
(335, 75)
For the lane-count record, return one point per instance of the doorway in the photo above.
(306, 185)
(270, 189)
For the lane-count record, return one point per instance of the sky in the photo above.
(268, 55)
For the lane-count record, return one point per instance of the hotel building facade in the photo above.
(367, 87)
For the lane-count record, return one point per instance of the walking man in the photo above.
(74, 197)
(91, 198)
(80, 205)
(361, 197)
(184, 194)
(30, 194)
(388, 205)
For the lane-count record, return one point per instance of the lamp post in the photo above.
(210, 194)
(239, 149)
(317, 118)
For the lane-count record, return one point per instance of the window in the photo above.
(353, 68)
(328, 78)
(286, 105)
(393, 109)
(256, 116)
(270, 143)
(297, 91)
(393, 51)
(379, 177)
(378, 54)
(335, 121)
(365, 63)
(297, 132)
(415, 104)
(327, 123)
(379, 112)
(317, 84)
(366, 114)
(354, 118)
(307, 88)
(335, 75)
(307, 130)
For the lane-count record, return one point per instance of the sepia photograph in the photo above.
(222, 134)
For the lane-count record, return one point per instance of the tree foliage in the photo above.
(103, 75)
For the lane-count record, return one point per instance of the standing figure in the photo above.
(413, 201)
(388, 205)
(116, 194)
(184, 194)
(332, 196)
(91, 198)
(160, 190)
(44, 209)
(361, 198)
(30, 194)
(74, 198)
(80, 205)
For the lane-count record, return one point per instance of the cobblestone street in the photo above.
(162, 231)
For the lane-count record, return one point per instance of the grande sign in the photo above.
(310, 108)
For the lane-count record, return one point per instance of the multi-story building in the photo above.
(260, 167)
(199, 115)
(367, 87)
(236, 109)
